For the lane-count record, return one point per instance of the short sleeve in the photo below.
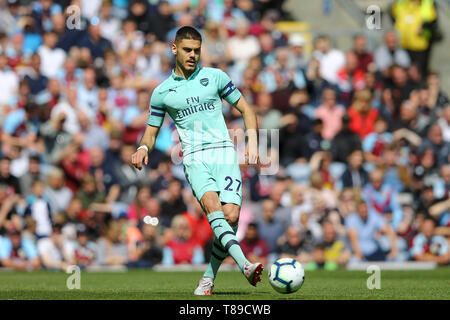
(156, 109)
(226, 88)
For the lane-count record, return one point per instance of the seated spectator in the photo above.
(85, 251)
(364, 57)
(6, 178)
(137, 210)
(435, 141)
(375, 142)
(362, 115)
(103, 172)
(33, 173)
(149, 252)
(329, 58)
(198, 222)
(379, 196)
(173, 203)
(331, 113)
(112, 248)
(253, 246)
(331, 252)
(270, 228)
(18, 253)
(363, 228)
(345, 142)
(292, 245)
(56, 252)
(182, 248)
(390, 53)
(355, 176)
(88, 193)
(430, 247)
(38, 207)
(58, 195)
(350, 78)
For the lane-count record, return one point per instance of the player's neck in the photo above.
(181, 72)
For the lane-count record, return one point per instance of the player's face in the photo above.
(187, 53)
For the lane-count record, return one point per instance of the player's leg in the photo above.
(218, 253)
(227, 238)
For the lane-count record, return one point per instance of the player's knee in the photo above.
(232, 216)
(210, 202)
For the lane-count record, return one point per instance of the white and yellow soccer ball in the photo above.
(286, 275)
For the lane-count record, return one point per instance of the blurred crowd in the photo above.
(364, 137)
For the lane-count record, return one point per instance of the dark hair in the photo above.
(187, 32)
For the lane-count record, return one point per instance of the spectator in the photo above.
(416, 32)
(58, 195)
(364, 57)
(242, 46)
(9, 82)
(181, 248)
(390, 53)
(52, 58)
(7, 178)
(362, 115)
(430, 247)
(330, 59)
(34, 173)
(330, 113)
(253, 246)
(18, 253)
(85, 251)
(38, 207)
(149, 251)
(269, 227)
(355, 175)
(55, 252)
(112, 248)
(89, 193)
(173, 203)
(362, 227)
(345, 142)
(380, 196)
(331, 252)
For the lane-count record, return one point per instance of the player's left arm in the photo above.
(251, 126)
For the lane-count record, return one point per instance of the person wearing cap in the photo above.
(18, 253)
(296, 58)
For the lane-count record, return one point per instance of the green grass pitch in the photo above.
(147, 284)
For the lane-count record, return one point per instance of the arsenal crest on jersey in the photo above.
(204, 81)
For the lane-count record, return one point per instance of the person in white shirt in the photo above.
(72, 109)
(9, 83)
(52, 59)
(330, 59)
(242, 46)
(56, 252)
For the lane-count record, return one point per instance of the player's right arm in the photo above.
(148, 140)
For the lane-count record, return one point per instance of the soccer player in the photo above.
(192, 96)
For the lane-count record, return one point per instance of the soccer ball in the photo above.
(286, 275)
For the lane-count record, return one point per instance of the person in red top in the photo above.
(362, 115)
(137, 210)
(365, 58)
(200, 229)
(253, 246)
(182, 248)
(350, 78)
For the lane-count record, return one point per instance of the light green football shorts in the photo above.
(214, 169)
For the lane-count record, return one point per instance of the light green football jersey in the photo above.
(195, 105)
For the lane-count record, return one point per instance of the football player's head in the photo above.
(187, 47)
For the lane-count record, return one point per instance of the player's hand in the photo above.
(251, 155)
(137, 158)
